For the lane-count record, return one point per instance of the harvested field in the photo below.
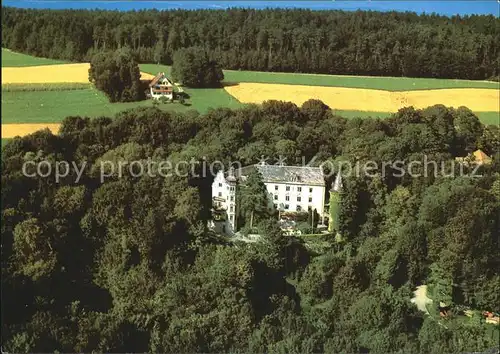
(13, 130)
(56, 73)
(342, 98)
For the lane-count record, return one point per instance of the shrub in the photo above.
(117, 74)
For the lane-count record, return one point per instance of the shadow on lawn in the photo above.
(228, 84)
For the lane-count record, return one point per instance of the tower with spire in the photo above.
(336, 188)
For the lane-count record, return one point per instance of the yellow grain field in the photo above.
(44, 74)
(342, 98)
(13, 130)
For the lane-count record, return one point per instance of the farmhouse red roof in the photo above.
(156, 79)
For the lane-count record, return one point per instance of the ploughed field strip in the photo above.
(13, 130)
(56, 73)
(342, 98)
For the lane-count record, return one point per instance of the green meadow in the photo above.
(54, 106)
(10, 58)
(366, 82)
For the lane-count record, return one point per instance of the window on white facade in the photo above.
(299, 208)
(299, 189)
(275, 197)
(287, 198)
(220, 194)
(231, 189)
(299, 199)
(232, 198)
(287, 206)
(310, 199)
(310, 190)
(231, 218)
(276, 205)
(275, 188)
(220, 184)
(287, 188)
(231, 208)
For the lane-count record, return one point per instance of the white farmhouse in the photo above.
(161, 86)
(290, 188)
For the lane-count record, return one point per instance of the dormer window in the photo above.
(295, 178)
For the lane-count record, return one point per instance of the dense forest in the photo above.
(330, 42)
(129, 265)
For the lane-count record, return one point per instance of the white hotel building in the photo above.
(290, 188)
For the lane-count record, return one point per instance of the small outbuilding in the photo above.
(478, 157)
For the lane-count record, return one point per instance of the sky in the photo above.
(446, 7)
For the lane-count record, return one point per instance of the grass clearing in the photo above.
(154, 69)
(13, 59)
(361, 114)
(489, 118)
(366, 82)
(54, 106)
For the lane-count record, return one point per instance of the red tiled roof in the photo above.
(481, 157)
(156, 79)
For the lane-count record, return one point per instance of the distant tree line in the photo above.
(129, 265)
(330, 42)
